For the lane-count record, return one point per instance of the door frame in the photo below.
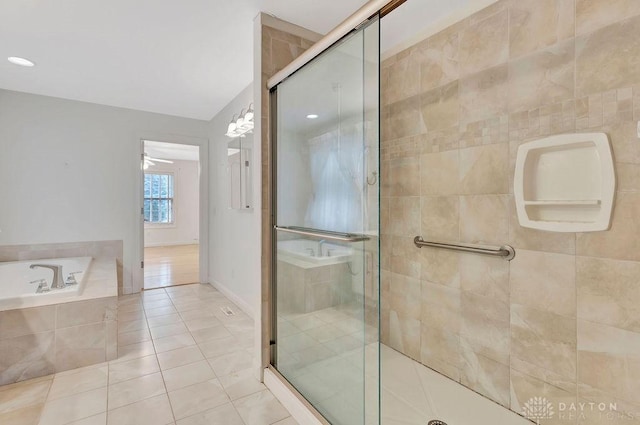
(203, 209)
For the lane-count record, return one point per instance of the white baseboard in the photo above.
(153, 245)
(244, 306)
(296, 407)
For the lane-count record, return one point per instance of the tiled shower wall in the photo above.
(562, 320)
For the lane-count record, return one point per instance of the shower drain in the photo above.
(436, 422)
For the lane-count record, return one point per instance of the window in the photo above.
(158, 198)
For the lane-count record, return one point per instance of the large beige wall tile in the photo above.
(484, 94)
(545, 281)
(27, 356)
(594, 14)
(625, 141)
(486, 276)
(484, 169)
(544, 339)
(525, 387)
(609, 360)
(614, 410)
(405, 257)
(440, 266)
(283, 52)
(405, 118)
(485, 375)
(27, 321)
(621, 241)
(404, 334)
(536, 25)
(404, 76)
(485, 325)
(404, 296)
(440, 218)
(628, 177)
(608, 292)
(404, 176)
(440, 59)
(440, 107)
(484, 43)
(542, 78)
(385, 206)
(441, 307)
(608, 58)
(405, 216)
(85, 312)
(439, 173)
(80, 346)
(441, 351)
(484, 219)
(545, 375)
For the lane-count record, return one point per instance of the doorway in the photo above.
(171, 214)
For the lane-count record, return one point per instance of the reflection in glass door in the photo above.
(326, 234)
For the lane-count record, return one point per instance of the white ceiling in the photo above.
(175, 151)
(187, 58)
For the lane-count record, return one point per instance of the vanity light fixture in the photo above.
(16, 60)
(312, 116)
(241, 125)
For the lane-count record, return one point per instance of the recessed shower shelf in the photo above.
(565, 183)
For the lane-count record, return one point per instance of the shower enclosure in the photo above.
(326, 229)
(449, 279)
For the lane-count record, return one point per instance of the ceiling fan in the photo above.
(148, 161)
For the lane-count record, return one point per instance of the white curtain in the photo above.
(337, 173)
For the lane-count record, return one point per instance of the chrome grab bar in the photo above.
(324, 234)
(505, 251)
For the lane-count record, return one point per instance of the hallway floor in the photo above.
(181, 360)
(171, 265)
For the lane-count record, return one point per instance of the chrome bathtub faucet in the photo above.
(57, 282)
(320, 243)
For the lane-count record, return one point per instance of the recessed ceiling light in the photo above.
(20, 61)
(312, 116)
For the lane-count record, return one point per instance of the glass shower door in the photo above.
(326, 245)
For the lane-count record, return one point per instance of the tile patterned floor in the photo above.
(181, 361)
(171, 265)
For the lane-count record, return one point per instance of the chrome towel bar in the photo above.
(505, 251)
(324, 234)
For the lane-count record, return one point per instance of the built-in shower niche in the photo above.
(565, 183)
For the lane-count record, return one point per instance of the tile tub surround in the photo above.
(561, 320)
(189, 365)
(43, 340)
(94, 249)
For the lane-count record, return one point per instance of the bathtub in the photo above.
(17, 291)
(62, 329)
(307, 250)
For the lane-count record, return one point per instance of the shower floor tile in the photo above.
(174, 372)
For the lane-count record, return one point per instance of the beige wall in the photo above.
(562, 320)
